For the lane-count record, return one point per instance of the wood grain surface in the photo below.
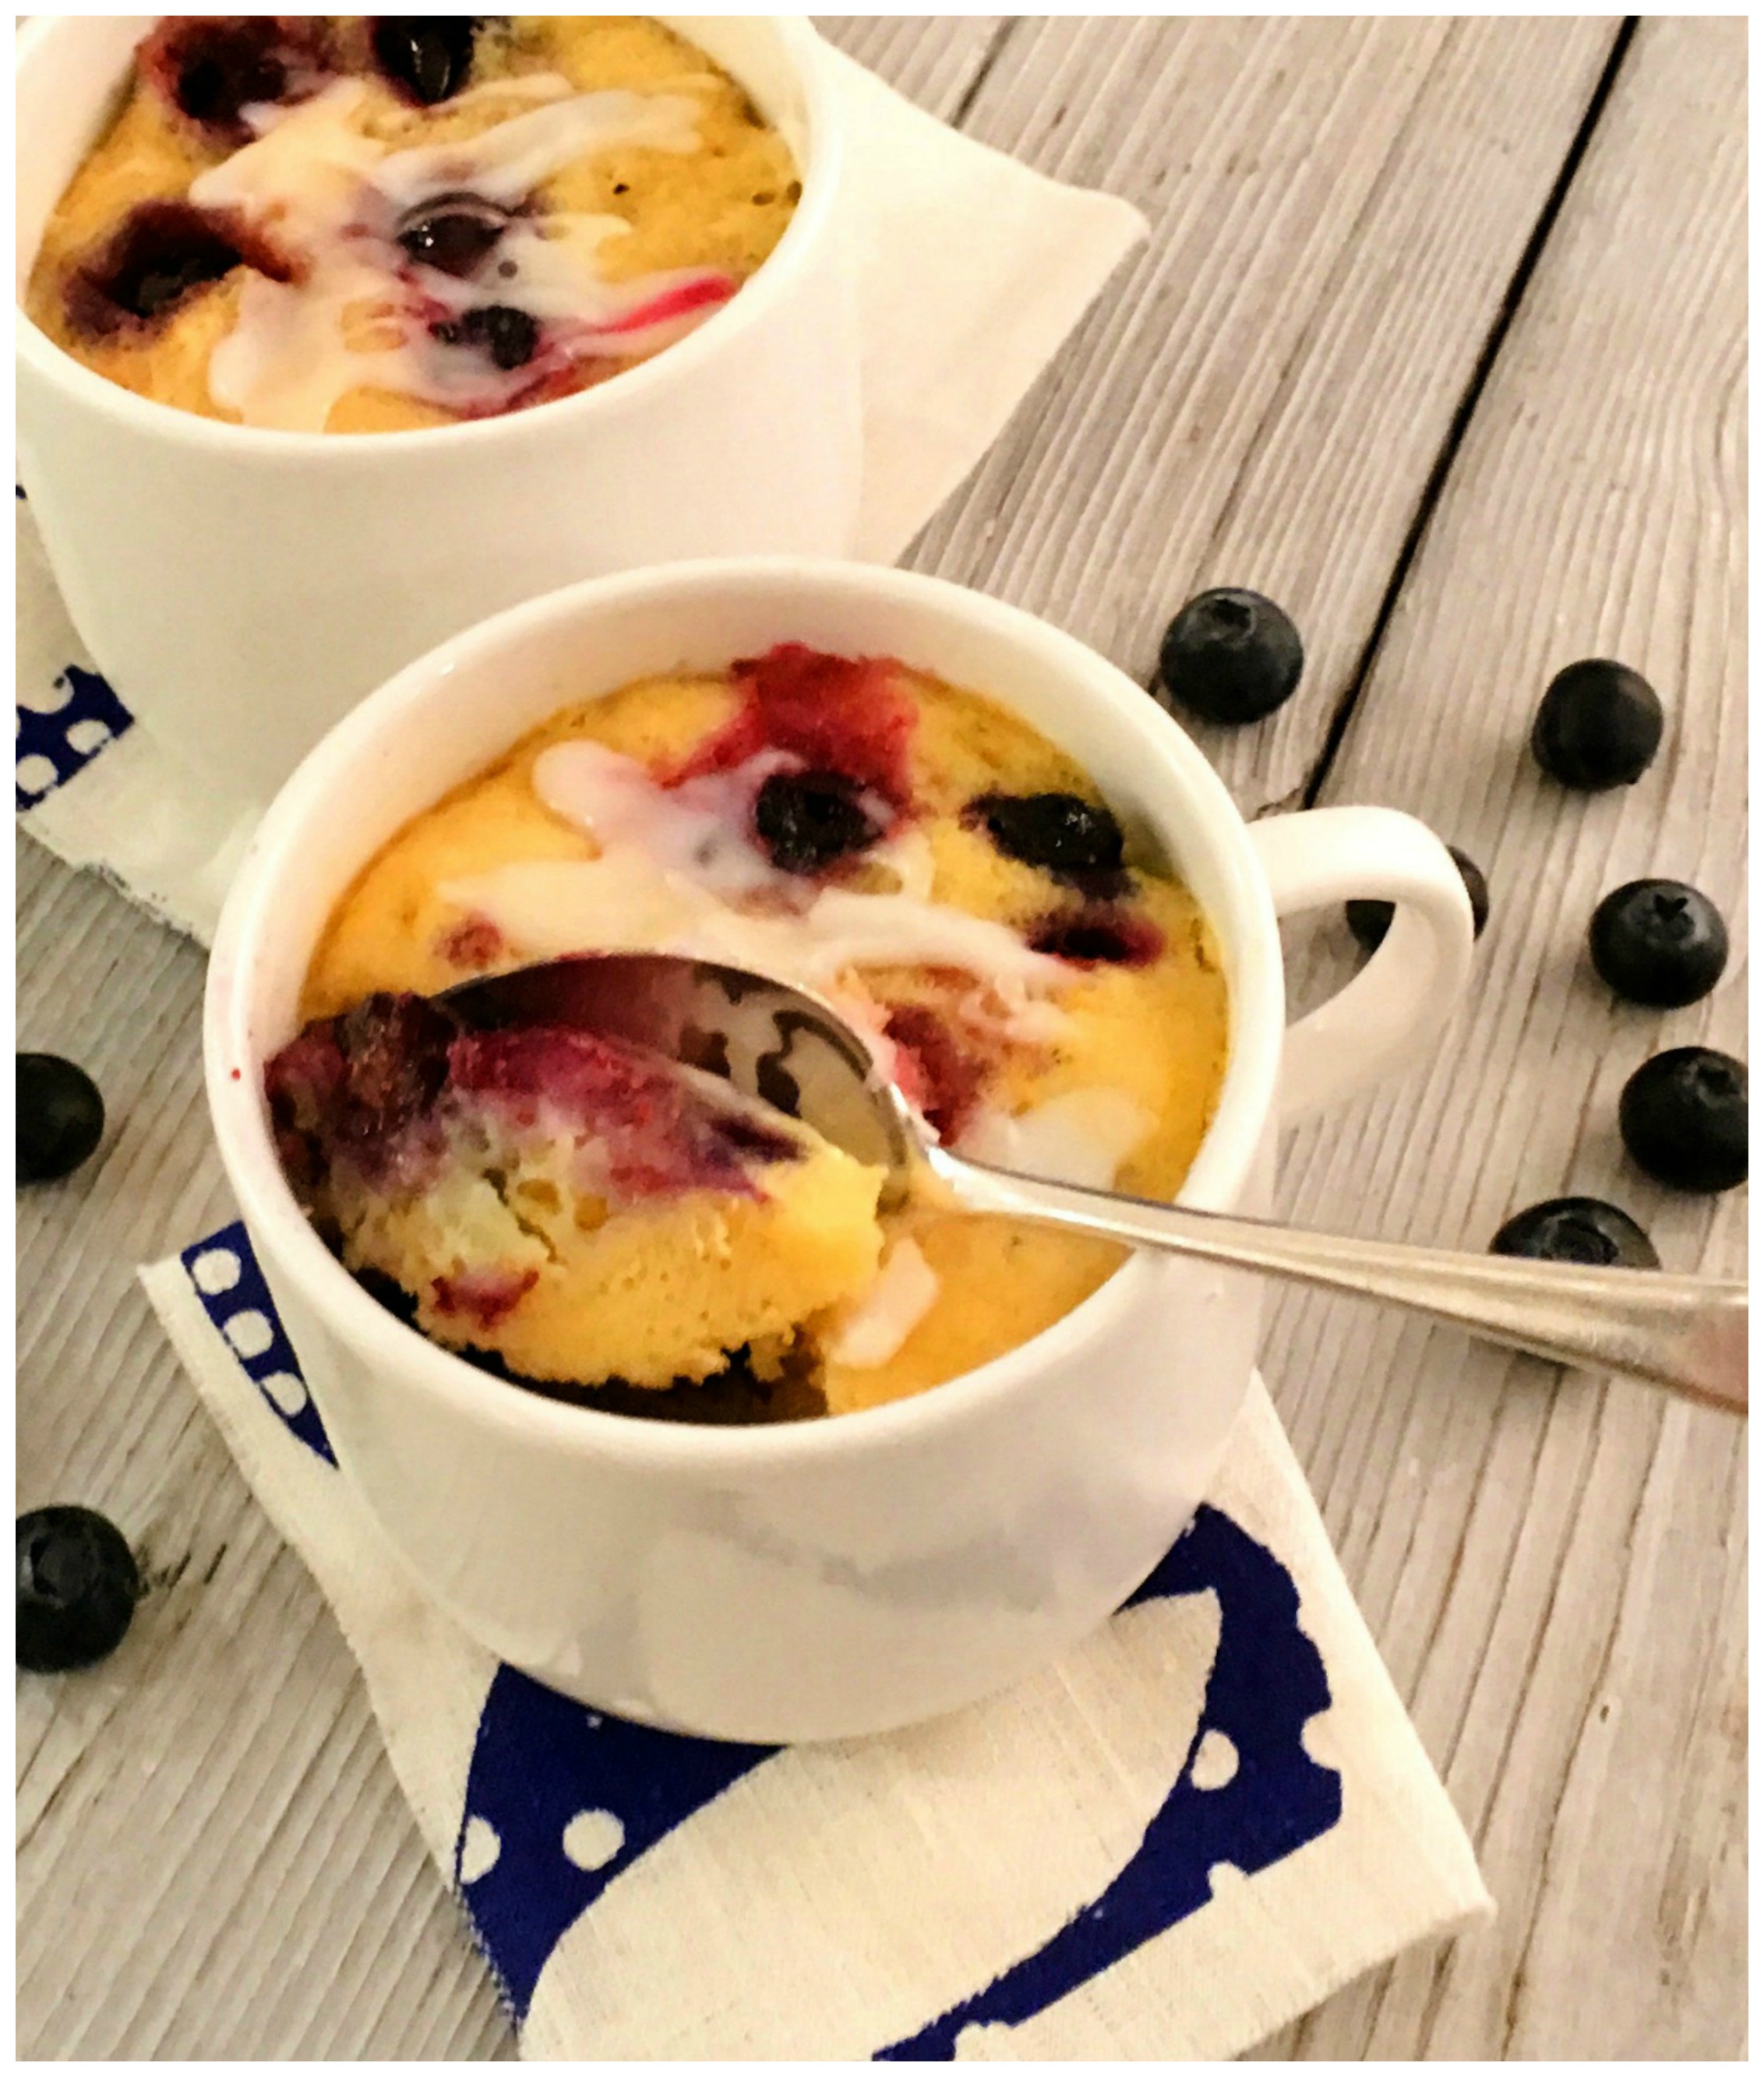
(1555, 1565)
(1439, 338)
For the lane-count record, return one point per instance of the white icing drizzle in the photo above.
(1082, 1137)
(908, 856)
(359, 315)
(697, 829)
(674, 863)
(519, 86)
(505, 163)
(874, 1330)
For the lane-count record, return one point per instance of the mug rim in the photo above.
(273, 1217)
(806, 52)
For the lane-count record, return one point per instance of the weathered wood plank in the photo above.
(936, 60)
(1555, 1565)
(1337, 208)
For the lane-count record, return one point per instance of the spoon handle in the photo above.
(1685, 1332)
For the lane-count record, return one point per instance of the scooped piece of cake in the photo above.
(581, 1209)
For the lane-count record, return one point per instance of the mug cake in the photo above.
(598, 1223)
(363, 224)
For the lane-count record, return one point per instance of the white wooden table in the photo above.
(1439, 340)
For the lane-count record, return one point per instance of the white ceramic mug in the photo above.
(242, 589)
(848, 1575)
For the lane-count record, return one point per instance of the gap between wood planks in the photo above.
(1434, 487)
(983, 72)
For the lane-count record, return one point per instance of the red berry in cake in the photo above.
(933, 1070)
(211, 68)
(847, 714)
(1100, 937)
(355, 1083)
(161, 253)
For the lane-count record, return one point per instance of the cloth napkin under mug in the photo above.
(1184, 1834)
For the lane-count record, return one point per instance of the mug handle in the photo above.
(1402, 997)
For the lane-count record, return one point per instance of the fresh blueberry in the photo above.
(1682, 1118)
(60, 1117)
(1370, 920)
(509, 338)
(1231, 656)
(1577, 1229)
(1658, 942)
(427, 56)
(1598, 725)
(78, 1584)
(453, 234)
(1059, 832)
(805, 820)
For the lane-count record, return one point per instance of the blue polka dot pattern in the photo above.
(1268, 1681)
(224, 1274)
(539, 1759)
(52, 746)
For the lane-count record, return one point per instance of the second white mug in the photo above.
(242, 589)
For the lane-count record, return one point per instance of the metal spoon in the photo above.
(791, 1049)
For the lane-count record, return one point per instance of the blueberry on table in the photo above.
(1658, 942)
(1682, 1118)
(1370, 920)
(1598, 725)
(78, 1584)
(60, 1117)
(1062, 833)
(1577, 1229)
(1231, 656)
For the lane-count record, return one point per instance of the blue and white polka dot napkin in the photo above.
(1191, 1828)
(1199, 1824)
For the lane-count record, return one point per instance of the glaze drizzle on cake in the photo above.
(331, 224)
